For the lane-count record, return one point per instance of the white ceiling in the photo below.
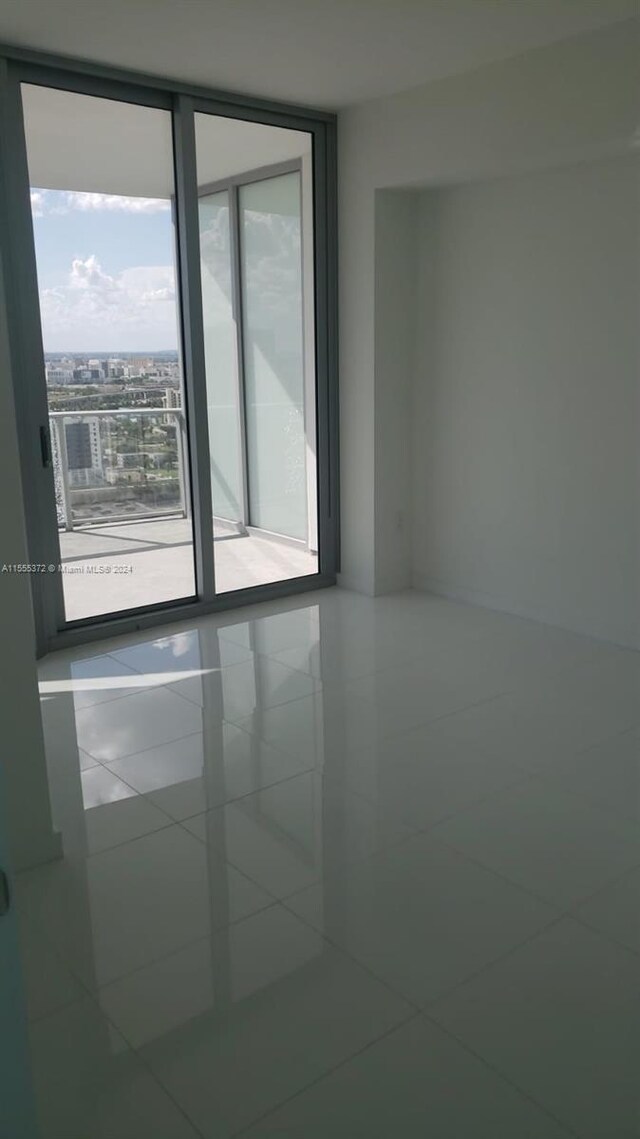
(324, 53)
(80, 143)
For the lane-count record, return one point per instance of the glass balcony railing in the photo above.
(118, 465)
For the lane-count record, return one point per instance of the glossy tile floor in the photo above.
(340, 867)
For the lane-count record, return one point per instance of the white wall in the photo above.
(395, 297)
(21, 740)
(526, 433)
(573, 101)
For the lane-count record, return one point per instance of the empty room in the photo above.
(320, 569)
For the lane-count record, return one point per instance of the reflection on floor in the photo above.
(340, 867)
(125, 565)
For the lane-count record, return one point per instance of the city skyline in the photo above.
(111, 354)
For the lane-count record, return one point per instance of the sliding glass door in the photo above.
(261, 386)
(101, 192)
(172, 339)
(271, 267)
(221, 360)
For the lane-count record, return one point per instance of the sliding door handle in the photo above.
(5, 895)
(45, 446)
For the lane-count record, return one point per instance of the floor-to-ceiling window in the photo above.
(271, 267)
(171, 334)
(255, 244)
(105, 250)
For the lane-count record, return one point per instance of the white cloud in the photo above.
(37, 203)
(89, 275)
(59, 202)
(93, 310)
(115, 202)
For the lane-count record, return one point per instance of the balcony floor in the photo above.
(127, 565)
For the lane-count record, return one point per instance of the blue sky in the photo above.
(105, 272)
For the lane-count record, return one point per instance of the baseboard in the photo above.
(529, 610)
(354, 584)
(395, 583)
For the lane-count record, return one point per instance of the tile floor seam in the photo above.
(512, 881)
(97, 703)
(219, 669)
(586, 800)
(350, 860)
(119, 696)
(153, 747)
(521, 781)
(502, 1076)
(67, 1004)
(407, 662)
(447, 715)
(523, 778)
(163, 1087)
(594, 929)
(421, 1007)
(139, 795)
(610, 739)
(86, 992)
(76, 999)
(462, 854)
(324, 1075)
(559, 915)
(614, 882)
(346, 952)
(93, 997)
(116, 845)
(245, 715)
(318, 692)
(226, 802)
(245, 794)
(229, 862)
(359, 676)
(189, 735)
(503, 876)
(111, 654)
(319, 680)
(76, 860)
(136, 795)
(524, 692)
(499, 960)
(94, 994)
(383, 737)
(218, 930)
(413, 1010)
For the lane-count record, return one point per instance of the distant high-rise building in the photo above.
(140, 365)
(57, 374)
(172, 398)
(84, 451)
(96, 370)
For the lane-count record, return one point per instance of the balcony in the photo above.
(123, 507)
